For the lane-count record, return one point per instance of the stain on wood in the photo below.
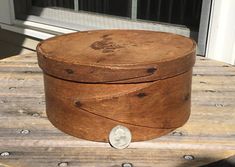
(106, 44)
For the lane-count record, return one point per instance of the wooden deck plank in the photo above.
(209, 134)
(50, 157)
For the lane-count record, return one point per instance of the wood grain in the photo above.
(111, 56)
(209, 134)
(143, 82)
(90, 111)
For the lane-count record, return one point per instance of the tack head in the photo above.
(5, 154)
(189, 157)
(63, 164)
(177, 133)
(127, 165)
(35, 114)
(25, 131)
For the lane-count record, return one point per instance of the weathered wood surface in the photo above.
(111, 56)
(209, 134)
(112, 69)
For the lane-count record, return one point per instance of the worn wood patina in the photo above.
(96, 80)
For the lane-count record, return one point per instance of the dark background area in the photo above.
(181, 12)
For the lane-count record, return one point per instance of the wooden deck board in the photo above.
(209, 134)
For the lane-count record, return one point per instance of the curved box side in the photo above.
(90, 111)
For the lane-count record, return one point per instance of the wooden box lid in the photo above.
(116, 56)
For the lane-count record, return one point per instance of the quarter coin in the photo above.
(120, 137)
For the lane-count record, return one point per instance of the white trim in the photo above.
(59, 23)
(76, 5)
(221, 38)
(49, 23)
(134, 9)
(88, 21)
(12, 11)
(27, 31)
(52, 22)
(6, 11)
(204, 25)
(42, 27)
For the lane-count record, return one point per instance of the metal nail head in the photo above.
(127, 165)
(177, 133)
(5, 154)
(189, 157)
(35, 115)
(63, 164)
(25, 131)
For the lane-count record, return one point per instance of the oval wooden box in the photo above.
(96, 80)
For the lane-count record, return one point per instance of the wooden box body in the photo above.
(96, 80)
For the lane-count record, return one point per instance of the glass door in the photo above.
(189, 18)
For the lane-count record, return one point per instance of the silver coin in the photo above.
(120, 137)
